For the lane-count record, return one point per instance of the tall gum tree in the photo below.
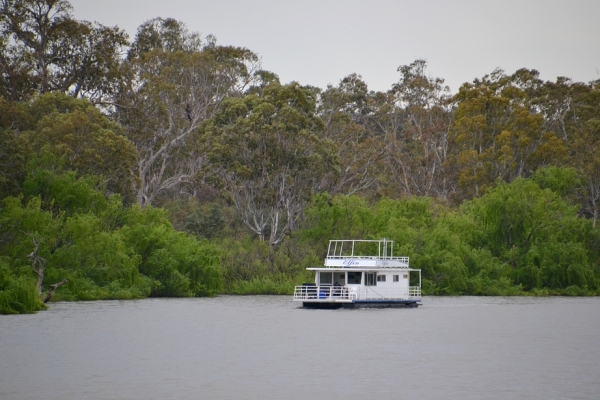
(583, 128)
(423, 139)
(411, 120)
(83, 140)
(43, 49)
(267, 150)
(498, 132)
(345, 112)
(175, 84)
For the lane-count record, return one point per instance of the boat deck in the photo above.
(361, 273)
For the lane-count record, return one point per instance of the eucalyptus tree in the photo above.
(174, 83)
(345, 112)
(267, 150)
(13, 149)
(499, 133)
(571, 110)
(583, 129)
(82, 139)
(421, 145)
(411, 120)
(165, 34)
(387, 141)
(43, 49)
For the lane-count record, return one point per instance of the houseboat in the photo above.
(361, 273)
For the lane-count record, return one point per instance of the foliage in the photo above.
(173, 84)
(492, 191)
(17, 292)
(266, 151)
(43, 49)
(57, 132)
(518, 237)
(537, 234)
(178, 263)
(84, 140)
(497, 133)
(103, 248)
(250, 266)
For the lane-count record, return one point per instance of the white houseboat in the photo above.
(361, 273)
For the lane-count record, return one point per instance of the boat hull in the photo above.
(322, 305)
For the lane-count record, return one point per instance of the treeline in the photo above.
(170, 165)
(64, 229)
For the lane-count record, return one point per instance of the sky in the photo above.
(319, 42)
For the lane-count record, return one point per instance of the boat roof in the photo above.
(362, 254)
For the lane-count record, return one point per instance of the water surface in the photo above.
(265, 347)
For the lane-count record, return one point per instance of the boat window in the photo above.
(405, 276)
(354, 278)
(396, 278)
(325, 278)
(380, 278)
(371, 279)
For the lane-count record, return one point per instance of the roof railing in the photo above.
(356, 248)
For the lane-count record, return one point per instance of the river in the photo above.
(265, 347)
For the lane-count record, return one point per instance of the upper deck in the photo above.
(363, 254)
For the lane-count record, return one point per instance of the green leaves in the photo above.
(43, 49)
(104, 249)
(517, 237)
(267, 151)
(536, 233)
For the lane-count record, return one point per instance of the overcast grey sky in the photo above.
(318, 42)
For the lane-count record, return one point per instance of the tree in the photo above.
(422, 144)
(13, 149)
(583, 127)
(536, 233)
(83, 140)
(396, 142)
(169, 93)
(267, 150)
(497, 132)
(168, 35)
(43, 49)
(345, 111)
(27, 226)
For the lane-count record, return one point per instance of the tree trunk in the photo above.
(52, 289)
(38, 264)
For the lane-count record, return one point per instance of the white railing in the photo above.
(414, 291)
(326, 293)
(384, 247)
(333, 293)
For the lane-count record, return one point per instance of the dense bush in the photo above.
(517, 238)
(104, 249)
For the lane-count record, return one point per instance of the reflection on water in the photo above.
(265, 347)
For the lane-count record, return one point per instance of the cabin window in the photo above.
(396, 278)
(380, 278)
(325, 278)
(405, 276)
(354, 278)
(371, 279)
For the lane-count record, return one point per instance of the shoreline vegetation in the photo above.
(171, 166)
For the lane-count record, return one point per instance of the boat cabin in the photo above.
(361, 273)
